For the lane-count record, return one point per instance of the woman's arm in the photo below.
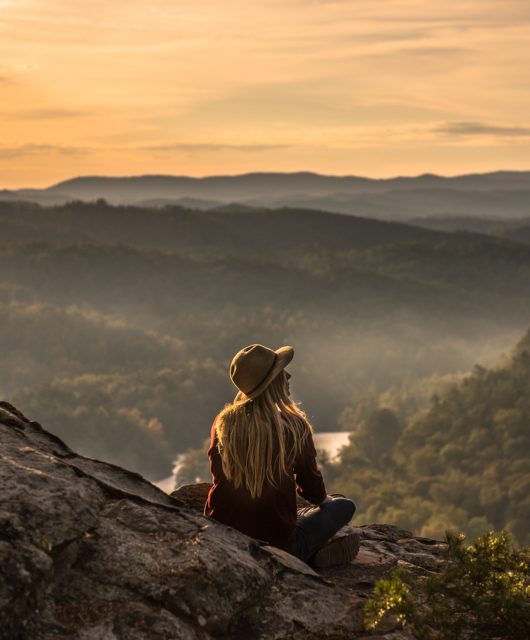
(216, 467)
(309, 481)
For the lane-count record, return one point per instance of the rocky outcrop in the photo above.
(91, 551)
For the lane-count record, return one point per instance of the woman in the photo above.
(262, 454)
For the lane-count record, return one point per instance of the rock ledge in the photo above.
(91, 551)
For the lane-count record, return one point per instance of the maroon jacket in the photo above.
(271, 516)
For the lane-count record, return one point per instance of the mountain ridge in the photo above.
(496, 194)
(263, 175)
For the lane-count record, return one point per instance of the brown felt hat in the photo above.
(255, 367)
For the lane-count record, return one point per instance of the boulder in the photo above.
(91, 551)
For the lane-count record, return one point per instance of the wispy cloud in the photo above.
(480, 129)
(205, 146)
(30, 149)
(5, 76)
(434, 51)
(415, 11)
(46, 114)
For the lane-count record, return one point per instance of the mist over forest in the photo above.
(499, 195)
(119, 323)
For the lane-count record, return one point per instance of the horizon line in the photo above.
(276, 173)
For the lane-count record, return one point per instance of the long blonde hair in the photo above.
(259, 439)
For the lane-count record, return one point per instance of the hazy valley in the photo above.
(119, 322)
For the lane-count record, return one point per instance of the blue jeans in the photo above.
(315, 527)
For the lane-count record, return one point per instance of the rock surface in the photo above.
(91, 551)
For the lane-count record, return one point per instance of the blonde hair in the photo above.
(260, 439)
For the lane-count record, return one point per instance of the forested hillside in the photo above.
(463, 463)
(119, 323)
(517, 229)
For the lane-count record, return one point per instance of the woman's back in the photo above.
(271, 516)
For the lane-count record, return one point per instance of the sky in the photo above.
(211, 87)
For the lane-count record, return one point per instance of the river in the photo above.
(331, 442)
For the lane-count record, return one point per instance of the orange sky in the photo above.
(199, 87)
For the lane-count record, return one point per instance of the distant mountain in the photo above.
(499, 194)
(177, 228)
(40, 196)
(517, 229)
(519, 234)
(255, 184)
(270, 254)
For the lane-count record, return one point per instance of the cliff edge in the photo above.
(91, 551)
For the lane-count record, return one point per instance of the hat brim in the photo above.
(284, 355)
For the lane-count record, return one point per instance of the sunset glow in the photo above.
(397, 87)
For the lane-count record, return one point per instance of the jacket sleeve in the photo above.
(309, 481)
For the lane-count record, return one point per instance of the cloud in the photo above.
(206, 146)
(47, 114)
(433, 51)
(5, 75)
(25, 150)
(480, 128)
(311, 42)
(431, 58)
(30, 149)
(472, 12)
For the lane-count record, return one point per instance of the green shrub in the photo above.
(482, 592)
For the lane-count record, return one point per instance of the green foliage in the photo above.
(137, 419)
(482, 592)
(461, 464)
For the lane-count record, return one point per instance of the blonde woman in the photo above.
(262, 455)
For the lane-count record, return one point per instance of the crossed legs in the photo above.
(314, 527)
